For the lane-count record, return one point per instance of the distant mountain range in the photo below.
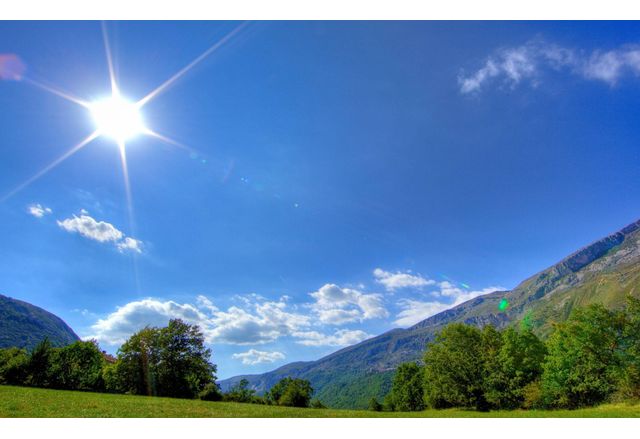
(24, 325)
(605, 272)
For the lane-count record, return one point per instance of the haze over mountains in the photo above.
(604, 271)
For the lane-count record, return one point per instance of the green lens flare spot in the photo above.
(504, 304)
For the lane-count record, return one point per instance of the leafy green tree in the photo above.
(14, 364)
(293, 392)
(585, 360)
(183, 369)
(511, 364)
(77, 366)
(629, 385)
(39, 367)
(170, 361)
(112, 378)
(240, 392)
(297, 394)
(407, 392)
(136, 362)
(454, 368)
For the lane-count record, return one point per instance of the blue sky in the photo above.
(341, 178)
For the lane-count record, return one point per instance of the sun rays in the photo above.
(116, 117)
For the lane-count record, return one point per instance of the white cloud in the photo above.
(264, 322)
(132, 317)
(129, 244)
(342, 337)
(267, 322)
(38, 210)
(253, 356)
(100, 231)
(337, 306)
(394, 281)
(527, 62)
(414, 311)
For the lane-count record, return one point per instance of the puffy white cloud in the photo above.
(253, 356)
(527, 62)
(394, 281)
(38, 210)
(130, 318)
(100, 231)
(335, 305)
(264, 322)
(268, 322)
(414, 311)
(342, 337)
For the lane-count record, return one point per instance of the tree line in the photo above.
(171, 361)
(591, 358)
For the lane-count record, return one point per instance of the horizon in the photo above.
(319, 182)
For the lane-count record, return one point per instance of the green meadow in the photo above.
(37, 403)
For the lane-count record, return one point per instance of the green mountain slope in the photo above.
(24, 325)
(605, 271)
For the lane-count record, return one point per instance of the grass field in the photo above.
(36, 403)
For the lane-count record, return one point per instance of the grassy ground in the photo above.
(28, 402)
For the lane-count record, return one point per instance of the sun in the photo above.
(117, 118)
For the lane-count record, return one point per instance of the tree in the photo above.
(293, 392)
(407, 392)
(137, 358)
(454, 368)
(297, 394)
(39, 367)
(183, 369)
(240, 392)
(170, 361)
(629, 385)
(511, 365)
(77, 366)
(14, 364)
(585, 360)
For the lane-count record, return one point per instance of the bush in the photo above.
(317, 404)
(211, 392)
(13, 366)
(374, 405)
(293, 392)
(240, 392)
(532, 396)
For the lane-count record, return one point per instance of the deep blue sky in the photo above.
(325, 151)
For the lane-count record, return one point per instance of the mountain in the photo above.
(24, 325)
(605, 272)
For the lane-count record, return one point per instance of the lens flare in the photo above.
(117, 118)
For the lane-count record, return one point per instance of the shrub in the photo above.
(374, 405)
(211, 392)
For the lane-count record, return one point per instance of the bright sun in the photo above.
(117, 118)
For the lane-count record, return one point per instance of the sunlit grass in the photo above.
(30, 402)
